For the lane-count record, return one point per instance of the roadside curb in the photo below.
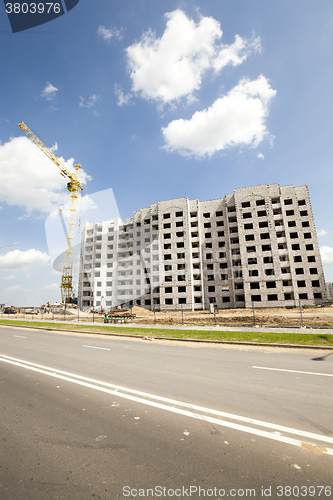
(147, 337)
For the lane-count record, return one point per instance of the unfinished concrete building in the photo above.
(329, 290)
(255, 246)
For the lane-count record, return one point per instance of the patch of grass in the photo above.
(306, 339)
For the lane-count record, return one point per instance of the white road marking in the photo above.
(20, 337)
(85, 381)
(93, 347)
(180, 403)
(293, 371)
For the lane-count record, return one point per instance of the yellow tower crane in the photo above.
(73, 187)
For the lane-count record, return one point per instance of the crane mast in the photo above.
(73, 186)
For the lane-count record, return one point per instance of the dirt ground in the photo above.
(317, 317)
(312, 317)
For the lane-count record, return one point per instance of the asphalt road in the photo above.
(89, 416)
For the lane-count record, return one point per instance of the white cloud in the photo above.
(122, 98)
(235, 53)
(89, 102)
(322, 233)
(49, 91)
(169, 68)
(326, 255)
(54, 286)
(107, 34)
(16, 259)
(260, 156)
(87, 204)
(29, 179)
(17, 288)
(235, 119)
(11, 277)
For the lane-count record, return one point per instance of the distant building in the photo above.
(257, 245)
(329, 290)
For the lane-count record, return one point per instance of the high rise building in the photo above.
(255, 246)
(329, 290)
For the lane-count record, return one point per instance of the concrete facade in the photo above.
(257, 245)
(329, 290)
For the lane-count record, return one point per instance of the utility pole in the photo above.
(254, 315)
(300, 310)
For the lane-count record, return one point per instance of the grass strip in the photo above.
(292, 338)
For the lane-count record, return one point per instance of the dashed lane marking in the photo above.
(293, 371)
(94, 347)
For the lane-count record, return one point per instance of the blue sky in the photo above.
(159, 100)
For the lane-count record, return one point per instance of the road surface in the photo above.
(94, 417)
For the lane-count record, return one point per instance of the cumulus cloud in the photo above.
(108, 34)
(11, 277)
(121, 97)
(17, 288)
(169, 68)
(326, 255)
(235, 53)
(29, 179)
(237, 118)
(54, 286)
(86, 205)
(49, 92)
(260, 156)
(16, 259)
(323, 232)
(88, 103)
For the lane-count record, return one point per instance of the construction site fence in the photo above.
(181, 315)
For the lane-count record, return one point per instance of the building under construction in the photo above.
(256, 246)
